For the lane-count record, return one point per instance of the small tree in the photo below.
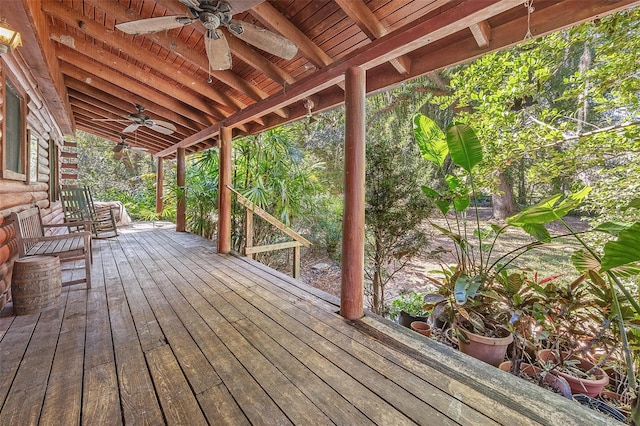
(395, 206)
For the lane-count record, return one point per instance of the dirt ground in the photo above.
(322, 272)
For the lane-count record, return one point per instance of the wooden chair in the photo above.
(32, 241)
(78, 207)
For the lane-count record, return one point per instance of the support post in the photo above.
(224, 193)
(296, 262)
(352, 290)
(248, 231)
(181, 208)
(159, 187)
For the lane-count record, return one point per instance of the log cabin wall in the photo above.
(41, 160)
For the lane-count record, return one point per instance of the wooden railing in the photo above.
(250, 250)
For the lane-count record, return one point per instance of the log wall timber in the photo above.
(17, 195)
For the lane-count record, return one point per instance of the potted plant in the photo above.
(583, 376)
(409, 307)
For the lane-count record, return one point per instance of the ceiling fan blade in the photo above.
(118, 147)
(154, 125)
(238, 6)
(131, 128)
(218, 51)
(264, 39)
(152, 25)
(117, 155)
(138, 149)
(165, 124)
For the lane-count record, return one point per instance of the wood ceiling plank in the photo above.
(119, 43)
(136, 90)
(84, 57)
(228, 77)
(358, 12)
(118, 99)
(136, 96)
(238, 47)
(107, 111)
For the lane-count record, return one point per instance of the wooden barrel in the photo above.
(36, 283)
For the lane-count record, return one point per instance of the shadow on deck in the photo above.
(173, 333)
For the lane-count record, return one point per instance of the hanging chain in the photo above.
(529, 5)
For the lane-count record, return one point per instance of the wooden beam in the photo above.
(352, 290)
(224, 193)
(238, 47)
(118, 99)
(271, 247)
(273, 20)
(159, 184)
(360, 13)
(111, 82)
(113, 38)
(78, 52)
(482, 33)
(181, 208)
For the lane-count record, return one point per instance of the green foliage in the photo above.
(412, 303)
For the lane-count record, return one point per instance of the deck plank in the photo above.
(24, 400)
(173, 333)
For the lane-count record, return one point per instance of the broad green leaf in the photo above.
(430, 139)
(624, 251)
(543, 212)
(453, 182)
(537, 231)
(612, 228)
(455, 237)
(440, 202)
(443, 206)
(460, 203)
(464, 146)
(572, 201)
(430, 192)
(465, 288)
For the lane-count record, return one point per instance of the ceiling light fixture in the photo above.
(9, 38)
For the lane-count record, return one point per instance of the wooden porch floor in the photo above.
(173, 333)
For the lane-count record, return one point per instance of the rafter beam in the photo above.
(239, 48)
(273, 20)
(358, 12)
(137, 76)
(119, 99)
(482, 33)
(114, 38)
(136, 92)
(123, 14)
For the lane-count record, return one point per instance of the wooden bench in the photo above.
(32, 241)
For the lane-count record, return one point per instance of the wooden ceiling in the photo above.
(91, 70)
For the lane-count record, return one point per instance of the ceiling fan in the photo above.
(140, 119)
(120, 147)
(214, 14)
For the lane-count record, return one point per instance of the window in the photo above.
(53, 173)
(14, 152)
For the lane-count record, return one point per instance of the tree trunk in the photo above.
(504, 204)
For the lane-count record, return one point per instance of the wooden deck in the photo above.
(173, 333)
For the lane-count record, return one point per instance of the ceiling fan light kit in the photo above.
(214, 14)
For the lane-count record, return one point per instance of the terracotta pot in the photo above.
(533, 371)
(488, 349)
(405, 320)
(579, 385)
(421, 327)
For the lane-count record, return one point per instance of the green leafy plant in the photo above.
(411, 303)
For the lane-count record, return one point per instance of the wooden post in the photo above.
(248, 231)
(224, 194)
(159, 188)
(296, 262)
(181, 208)
(352, 291)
